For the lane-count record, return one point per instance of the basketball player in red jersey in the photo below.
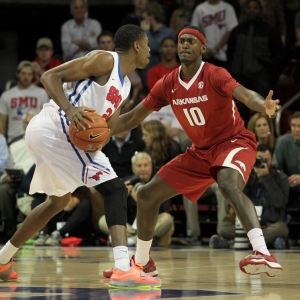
(223, 150)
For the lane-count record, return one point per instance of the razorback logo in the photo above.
(114, 97)
(96, 176)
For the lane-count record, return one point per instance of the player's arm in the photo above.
(256, 102)
(131, 119)
(94, 65)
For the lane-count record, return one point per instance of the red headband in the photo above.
(194, 32)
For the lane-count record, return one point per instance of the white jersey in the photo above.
(215, 20)
(60, 166)
(105, 99)
(16, 102)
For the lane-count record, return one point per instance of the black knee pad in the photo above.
(115, 194)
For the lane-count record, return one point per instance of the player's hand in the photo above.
(77, 116)
(272, 106)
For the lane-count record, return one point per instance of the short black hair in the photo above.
(196, 28)
(105, 33)
(126, 35)
(295, 115)
(167, 38)
(263, 148)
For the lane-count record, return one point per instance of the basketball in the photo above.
(90, 139)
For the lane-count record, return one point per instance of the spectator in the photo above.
(273, 14)
(159, 145)
(157, 31)
(44, 60)
(75, 220)
(181, 17)
(20, 159)
(261, 125)
(142, 168)
(121, 148)
(173, 128)
(4, 159)
(255, 53)
(287, 153)
(106, 42)
(15, 102)
(268, 188)
(136, 16)
(168, 55)
(217, 18)
(79, 35)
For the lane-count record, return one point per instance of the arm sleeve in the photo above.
(156, 99)
(223, 82)
(66, 42)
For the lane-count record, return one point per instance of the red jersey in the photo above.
(157, 72)
(204, 106)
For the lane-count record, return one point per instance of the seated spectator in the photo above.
(75, 220)
(20, 159)
(142, 168)
(120, 150)
(261, 125)
(44, 60)
(168, 55)
(287, 159)
(4, 158)
(156, 30)
(181, 16)
(106, 42)
(79, 35)
(136, 16)
(15, 102)
(159, 145)
(268, 188)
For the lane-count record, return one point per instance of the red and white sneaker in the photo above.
(257, 263)
(149, 269)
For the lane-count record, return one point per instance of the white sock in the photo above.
(7, 252)
(142, 252)
(121, 257)
(257, 241)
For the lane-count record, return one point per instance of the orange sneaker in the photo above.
(7, 273)
(149, 269)
(133, 278)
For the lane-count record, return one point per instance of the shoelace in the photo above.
(254, 255)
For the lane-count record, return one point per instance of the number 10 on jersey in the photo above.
(194, 115)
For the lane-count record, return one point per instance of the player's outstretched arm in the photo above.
(256, 102)
(131, 119)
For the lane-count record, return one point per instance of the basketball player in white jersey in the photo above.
(96, 82)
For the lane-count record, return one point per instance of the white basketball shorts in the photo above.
(60, 166)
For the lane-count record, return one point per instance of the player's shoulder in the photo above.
(213, 70)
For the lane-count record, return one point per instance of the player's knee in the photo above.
(146, 197)
(115, 194)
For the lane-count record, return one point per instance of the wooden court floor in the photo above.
(55, 273)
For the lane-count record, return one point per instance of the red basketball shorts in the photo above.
(194, 171)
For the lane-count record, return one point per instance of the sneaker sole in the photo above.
(130, 284)
(262, 267)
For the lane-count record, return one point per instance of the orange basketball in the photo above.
(90, 139)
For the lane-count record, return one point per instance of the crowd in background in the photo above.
(248, 38)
